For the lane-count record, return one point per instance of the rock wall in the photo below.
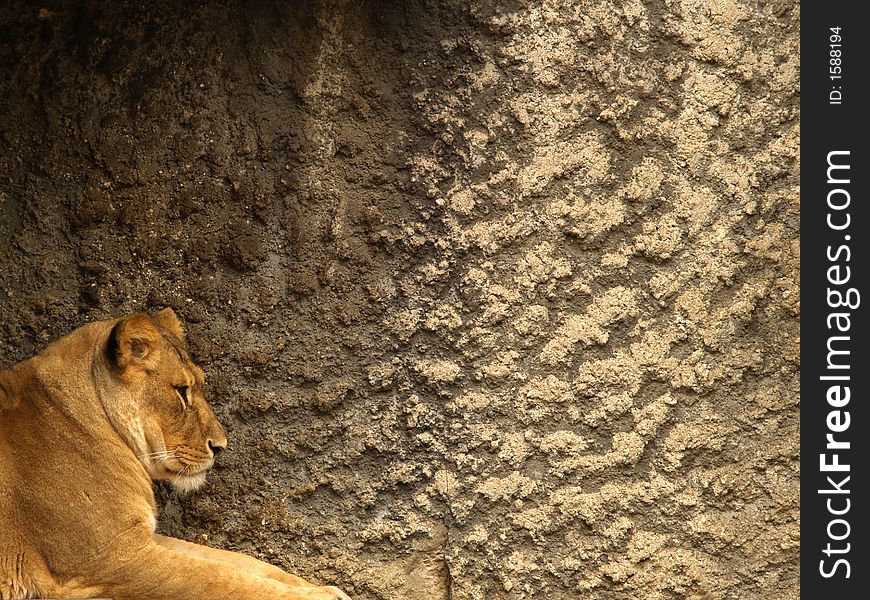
(497, 299)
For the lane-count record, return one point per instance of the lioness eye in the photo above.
(184, 393)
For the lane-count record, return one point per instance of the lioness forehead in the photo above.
(198, 374)
(183, 356)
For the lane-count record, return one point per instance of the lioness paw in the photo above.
(338, 594)
(320, 593)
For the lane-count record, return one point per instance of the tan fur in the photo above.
(84, 427)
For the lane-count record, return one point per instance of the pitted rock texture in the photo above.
(497, 300)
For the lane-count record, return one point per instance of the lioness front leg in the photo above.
(244, 562)
(158, 573)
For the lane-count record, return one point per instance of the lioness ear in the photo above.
(168, 320)
(133, 343)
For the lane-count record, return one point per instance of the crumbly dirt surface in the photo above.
(497, 299)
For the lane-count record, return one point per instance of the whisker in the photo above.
(158, 458)
(158, 454)
(179, 474)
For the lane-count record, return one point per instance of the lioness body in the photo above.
(84, 427)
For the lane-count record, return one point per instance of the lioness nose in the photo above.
(216, 447)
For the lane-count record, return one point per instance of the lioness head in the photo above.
(160, 399)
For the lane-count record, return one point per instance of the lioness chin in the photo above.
(84, 428)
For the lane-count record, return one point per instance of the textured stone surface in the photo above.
(496, 299)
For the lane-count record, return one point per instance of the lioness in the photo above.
(84, 427)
